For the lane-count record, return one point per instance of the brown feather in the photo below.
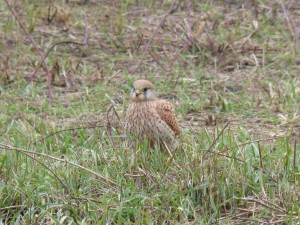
(166, 112)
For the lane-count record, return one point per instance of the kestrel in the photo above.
(150, 117)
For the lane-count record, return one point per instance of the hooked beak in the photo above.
(138, 92)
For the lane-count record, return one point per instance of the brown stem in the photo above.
(171, 10)
(35, 46)
(214, 142)
(55, 44)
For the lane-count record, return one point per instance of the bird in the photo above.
(152, 118)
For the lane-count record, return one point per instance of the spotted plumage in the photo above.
(150, 117)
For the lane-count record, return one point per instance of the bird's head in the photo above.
(143, 90)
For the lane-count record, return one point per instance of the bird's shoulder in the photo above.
(165, 105)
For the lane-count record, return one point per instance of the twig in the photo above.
(215, 141)
(155, 59)
(68, 129)
(275, 208)
(86, 199)
(240, 160)
(58, 43)
(227, 156)
(261, 169)
(146, 174)
(170, 159)
(295, 151)
(290, 25)
(260, 156)
(294, 165)
(107, 180)
(49, 17)
(249, 142)
(111, 141)
(49, 169)
(36, 48)
(171, 10)
(12, 207)
(112, 107)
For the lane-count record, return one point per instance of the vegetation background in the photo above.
(230, 67)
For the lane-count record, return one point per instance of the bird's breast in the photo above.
(140, 117)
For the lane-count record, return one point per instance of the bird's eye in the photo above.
(145, 89)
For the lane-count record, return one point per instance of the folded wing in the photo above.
(166, 112)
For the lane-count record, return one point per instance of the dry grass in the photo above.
(63, 157)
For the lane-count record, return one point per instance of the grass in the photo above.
(231, 70)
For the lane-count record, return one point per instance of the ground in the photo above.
(231, 68)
